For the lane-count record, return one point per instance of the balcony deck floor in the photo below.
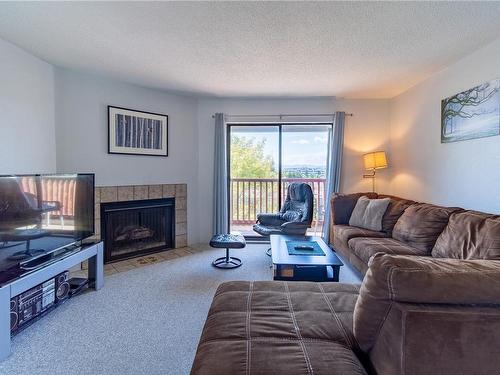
(246, 230)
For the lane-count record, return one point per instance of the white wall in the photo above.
(82, 135)
(27, 130)
(57, 121)
(466, 173)
(367, 130)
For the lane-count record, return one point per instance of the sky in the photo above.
(299, 147)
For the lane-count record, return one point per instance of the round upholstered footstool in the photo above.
(227, 241)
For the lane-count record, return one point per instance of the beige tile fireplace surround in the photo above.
(105, 194)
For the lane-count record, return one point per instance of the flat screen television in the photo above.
(40, 214)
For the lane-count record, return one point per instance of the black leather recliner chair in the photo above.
(295, 217)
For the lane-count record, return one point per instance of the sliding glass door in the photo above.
(254, 174)
(264, 160)
(304, 158)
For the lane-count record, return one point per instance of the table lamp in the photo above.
(373, 161)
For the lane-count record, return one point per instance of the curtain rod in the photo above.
(290, 115)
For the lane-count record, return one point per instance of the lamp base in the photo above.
(372, 176)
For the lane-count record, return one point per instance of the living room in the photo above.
(364, 133)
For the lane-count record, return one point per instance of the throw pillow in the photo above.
(368, 213)
(358, 212)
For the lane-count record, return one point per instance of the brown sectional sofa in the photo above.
(411, 228)
(429, 303)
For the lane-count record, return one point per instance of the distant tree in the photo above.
(306, 172)
(292, 174)
(248, 159)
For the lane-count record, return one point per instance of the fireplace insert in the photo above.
(135, 228)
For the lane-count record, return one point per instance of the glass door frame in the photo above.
(279, 126)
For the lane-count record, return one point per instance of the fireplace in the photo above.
(134, 228)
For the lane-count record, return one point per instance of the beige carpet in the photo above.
(145, 320)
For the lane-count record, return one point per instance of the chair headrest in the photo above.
(299, 191)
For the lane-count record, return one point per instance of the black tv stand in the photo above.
(42, 272)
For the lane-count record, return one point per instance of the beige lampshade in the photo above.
(375, 160)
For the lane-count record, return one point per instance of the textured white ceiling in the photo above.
(351, 49)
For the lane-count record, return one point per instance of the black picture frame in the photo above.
(140, 128)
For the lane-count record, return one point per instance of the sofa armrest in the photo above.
(421, 339)
(413, 279)
(421, 279)
(270, 219)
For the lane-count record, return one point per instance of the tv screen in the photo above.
(43, 213)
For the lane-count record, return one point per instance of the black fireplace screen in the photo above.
(135, 228)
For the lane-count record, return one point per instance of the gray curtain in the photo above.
(220, 219)
(335, 149)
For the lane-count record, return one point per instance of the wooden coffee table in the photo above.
(303, 267)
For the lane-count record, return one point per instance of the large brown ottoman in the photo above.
(291, 328)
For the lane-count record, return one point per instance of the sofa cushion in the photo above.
(421, 224)
(469, 235)
(394, 212)
(368, 213)
(365, 248)
(276, 327)
(343, 204)
(344, 233)
(411, 279)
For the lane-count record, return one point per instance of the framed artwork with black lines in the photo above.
(135, 132)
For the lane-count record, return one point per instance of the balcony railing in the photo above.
(250, 196)
(54, 188)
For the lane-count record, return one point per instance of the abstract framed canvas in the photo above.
(473, 113)
(135, 132)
